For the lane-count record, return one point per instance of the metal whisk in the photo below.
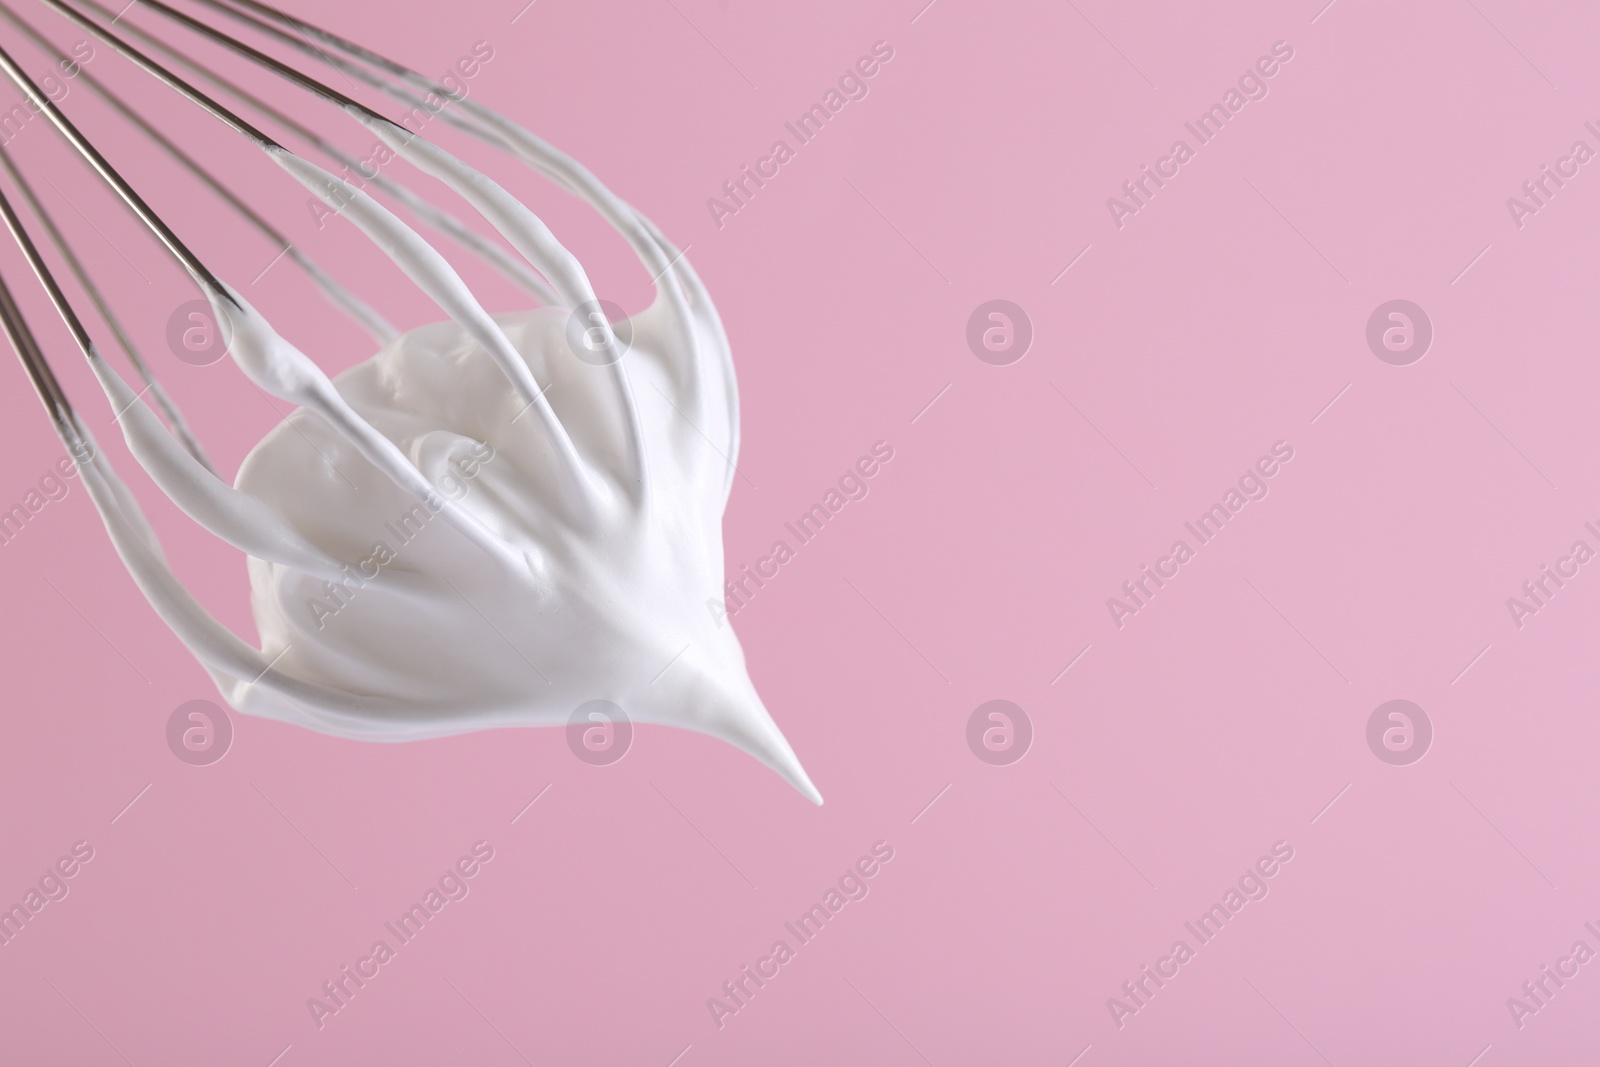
(306, 385)
(620, 556)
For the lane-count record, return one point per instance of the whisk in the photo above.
(583, 563)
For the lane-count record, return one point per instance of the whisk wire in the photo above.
(43, 104)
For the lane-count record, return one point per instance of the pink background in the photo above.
(1222, 318)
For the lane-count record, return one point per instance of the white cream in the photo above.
(571, 565)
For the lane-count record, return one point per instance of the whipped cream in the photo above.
(581, 495)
